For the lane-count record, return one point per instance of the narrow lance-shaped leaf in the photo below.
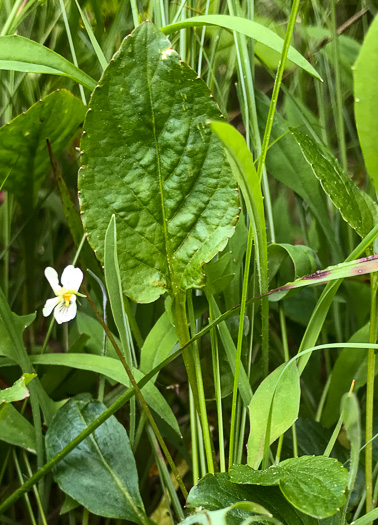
(356, 207)
(18, 53)
(248, 28)
(149, 159)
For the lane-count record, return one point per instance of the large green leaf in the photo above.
(217, 491)
(248, 28)
(356, 207)
(24, 157)
(366, 100)
(18, 53)
(272, 410)
(100, 473)
(149, 158)
(315, 485)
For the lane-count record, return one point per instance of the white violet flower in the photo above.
(65, 300)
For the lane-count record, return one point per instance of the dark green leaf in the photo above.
(287, 164)
(24, 151)
(16, 430)
(315, 485)
(149, 158)
(100, 473)
(356, 207)
(217, 491)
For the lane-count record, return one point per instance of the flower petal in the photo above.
(52, 277)
(50, 305)
(72, 278)
(63, 313)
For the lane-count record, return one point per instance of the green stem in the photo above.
(239, 348)
(217, 386)
(194, 438)
(36, 493)
(27, 500)
(201, 390)
(370, 395)
(138, 394)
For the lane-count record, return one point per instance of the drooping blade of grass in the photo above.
(366, 100)
(248, 28)
(18, 53)
(356, 207)
(113, 369)
(149, 158)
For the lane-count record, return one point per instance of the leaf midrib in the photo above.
(119, 482)
(171, 283)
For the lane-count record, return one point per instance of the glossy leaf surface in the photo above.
(217, 492)
(149, 158)
(356, 207)
(100, 473)
(315, 485)
(24, 157)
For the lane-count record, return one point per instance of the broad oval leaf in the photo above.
(215, 492)
(366, 100)
(356, 207)
(100, 473)
(18, 53)
(315, 485)
(149, 158)
(24, 157)
(280, 394)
